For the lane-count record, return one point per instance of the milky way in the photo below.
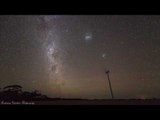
(66, 56)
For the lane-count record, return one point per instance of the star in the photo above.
(88, 37)
(104, 55)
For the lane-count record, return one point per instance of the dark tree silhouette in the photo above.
(13, 88)
(0, 93)
(14, 92)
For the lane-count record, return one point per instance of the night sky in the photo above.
(66, 56)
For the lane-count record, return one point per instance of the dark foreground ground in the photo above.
(100, 102)
(86, 102)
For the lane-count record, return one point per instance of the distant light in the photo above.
(104, 55)
(88, 37)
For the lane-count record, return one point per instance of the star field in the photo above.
(67, 55)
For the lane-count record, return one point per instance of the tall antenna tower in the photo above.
(110, 86)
